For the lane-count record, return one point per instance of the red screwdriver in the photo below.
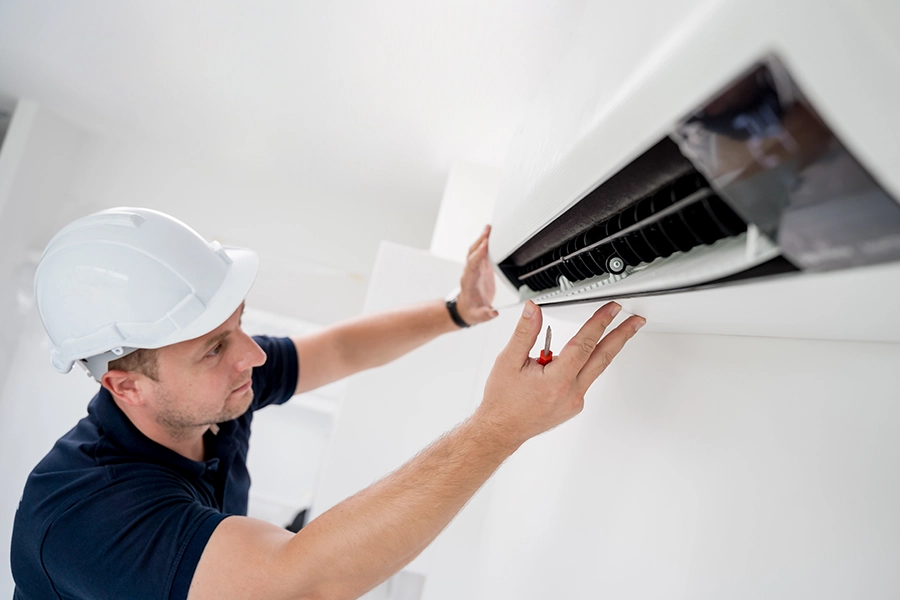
(546, 353)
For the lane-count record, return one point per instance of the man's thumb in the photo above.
(527, 330)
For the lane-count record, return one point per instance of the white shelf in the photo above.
(314, 403)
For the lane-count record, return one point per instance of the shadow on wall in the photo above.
(5, 118)
(7, 106)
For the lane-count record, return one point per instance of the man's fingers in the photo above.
(607, 349)
(473, 265)
(525, 334)
(580, 348)
(475, 262)
(484, 234)
(485, 313)
(477, 255)
(482, 314)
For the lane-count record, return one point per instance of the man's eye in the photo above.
(215, 350)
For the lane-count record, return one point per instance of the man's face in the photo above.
(206, 380)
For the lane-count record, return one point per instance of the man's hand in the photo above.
(523, 398)
(477, 283)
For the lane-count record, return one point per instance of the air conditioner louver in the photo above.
(675, 218)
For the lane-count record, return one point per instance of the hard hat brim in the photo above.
(233, 291)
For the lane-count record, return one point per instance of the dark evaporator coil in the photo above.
(675, 218)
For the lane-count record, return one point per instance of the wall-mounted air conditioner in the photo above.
(759, 142)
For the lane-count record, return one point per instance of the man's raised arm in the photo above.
(375, 340)
(365, 539)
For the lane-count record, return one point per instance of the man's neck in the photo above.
(187, 442)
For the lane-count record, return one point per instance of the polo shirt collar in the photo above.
(128, 440)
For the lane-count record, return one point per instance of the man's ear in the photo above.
(125, 386)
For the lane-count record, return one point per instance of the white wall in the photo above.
(466, 207)
(708, 467)
(36, 170)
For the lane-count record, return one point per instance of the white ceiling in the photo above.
(368, 102)
(376, 91)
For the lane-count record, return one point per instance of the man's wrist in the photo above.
(453, 309)
(490, 434)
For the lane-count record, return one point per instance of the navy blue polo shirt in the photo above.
(109, 513)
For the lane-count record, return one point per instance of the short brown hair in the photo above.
(141, 361)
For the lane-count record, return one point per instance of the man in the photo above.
(145, 497)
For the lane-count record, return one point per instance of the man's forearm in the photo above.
(375, 340)
(368, 537)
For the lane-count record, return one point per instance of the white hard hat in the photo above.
(129, 278)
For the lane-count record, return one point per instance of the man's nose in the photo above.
(252, 354)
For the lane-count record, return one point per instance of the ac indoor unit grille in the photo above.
(676, 218)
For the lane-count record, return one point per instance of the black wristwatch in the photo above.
(454, 313)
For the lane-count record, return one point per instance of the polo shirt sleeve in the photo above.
(139, 538)
(275, 381)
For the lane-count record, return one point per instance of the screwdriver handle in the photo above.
(546, 356)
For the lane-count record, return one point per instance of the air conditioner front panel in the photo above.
(762, 145)
(756, 149)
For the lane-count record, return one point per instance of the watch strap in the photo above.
(454, 313)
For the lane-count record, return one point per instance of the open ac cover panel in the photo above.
(750, 183)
